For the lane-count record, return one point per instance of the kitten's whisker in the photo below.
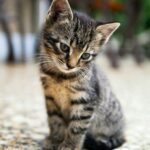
(44, 62)
(49, 68)
(40, 54)
(44, 57)
(84, 74)
(60, 61)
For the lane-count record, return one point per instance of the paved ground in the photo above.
(22, 110)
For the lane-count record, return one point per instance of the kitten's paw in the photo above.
(49, 145)
(64, 146)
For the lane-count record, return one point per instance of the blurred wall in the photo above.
(22, 22)
(24, 19)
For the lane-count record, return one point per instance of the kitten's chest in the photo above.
(63, 92)
(60, 93)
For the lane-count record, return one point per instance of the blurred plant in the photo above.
(144, 16)
(134, 16)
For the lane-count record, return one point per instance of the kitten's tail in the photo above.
(91, 144)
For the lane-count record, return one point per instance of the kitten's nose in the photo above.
(70, 66)
(73, 59)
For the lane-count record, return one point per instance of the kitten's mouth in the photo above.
(67, 70)
(64, 69)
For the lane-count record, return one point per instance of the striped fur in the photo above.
(80, 105)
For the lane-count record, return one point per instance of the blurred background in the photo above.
(126, 61)
(21, 21)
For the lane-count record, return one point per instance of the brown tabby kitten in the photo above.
(82, 110)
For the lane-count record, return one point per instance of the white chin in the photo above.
(67, 71)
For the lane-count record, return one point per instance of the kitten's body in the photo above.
(82, 110)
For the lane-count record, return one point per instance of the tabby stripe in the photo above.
(76, 39)
(79, 101)
(102, 41)
(79, 88)
(76, 118)
(43, 79)
(78, 130)
(75, 29)
(55, 113)
(46, 45)
(49, 98)
(49, 38)
(91, 35)
(51, 41)
(88, 108)
(54, 74)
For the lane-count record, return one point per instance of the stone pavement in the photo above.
(23, 123)
(22, 112)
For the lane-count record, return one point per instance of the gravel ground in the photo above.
(23, 123)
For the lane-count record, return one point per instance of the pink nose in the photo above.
(70, 66)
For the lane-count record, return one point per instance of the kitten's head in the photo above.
(71, 40)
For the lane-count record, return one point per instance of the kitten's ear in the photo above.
(59, 10)
(106, 31)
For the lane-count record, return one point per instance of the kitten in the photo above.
(82, 110)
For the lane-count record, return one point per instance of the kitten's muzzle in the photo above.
(70, 66)
(73, 60)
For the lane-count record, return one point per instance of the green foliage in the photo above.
(144, 18)
(144, 22)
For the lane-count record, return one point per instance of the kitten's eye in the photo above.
(86, 56)
(64, 48)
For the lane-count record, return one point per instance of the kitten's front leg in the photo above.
(80, 119)
(56, 125)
